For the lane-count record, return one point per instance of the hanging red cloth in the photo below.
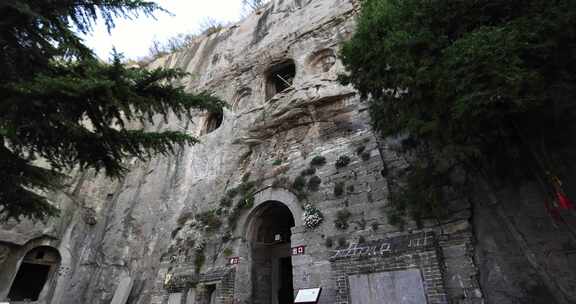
(563, 201)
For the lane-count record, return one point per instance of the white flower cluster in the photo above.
(312, 217)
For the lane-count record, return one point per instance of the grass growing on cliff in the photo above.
(210, 220)
(314, 183)
(341, 220)
(342, 162)
(318, 161)
(245, 191)
(199, 260)
(339, 189)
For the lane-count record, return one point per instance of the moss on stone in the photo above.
(314, 183)
(185, 216)
(339, 189)
(308, 171)
(299, 183)
(199, 260)
(210, 220)
(318, 161)
(342, 161)
(365, 156)
(342, 217)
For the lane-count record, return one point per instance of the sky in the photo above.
(134, 37)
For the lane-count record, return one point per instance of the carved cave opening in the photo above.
(213, 122)
(279, 78)
(211, 294)
(269, 235)
(241, 99)
(322, 61)
(36, 268)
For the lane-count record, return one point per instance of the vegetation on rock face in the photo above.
(183, 218)
(299, 183)
(350, 188)
(472, 83)
(246, 192)
(227, 252)
(314, 183)
(329, 242)
(339, 189)
(199, 260)
(308, 171)
(342, 162)
(342, 242)
(209, 219)
(318, 161)
(281, 182)
(342, 217)
(61, 105)
(226, 201)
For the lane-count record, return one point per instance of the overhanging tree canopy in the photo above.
(60, 104)
(491, 81)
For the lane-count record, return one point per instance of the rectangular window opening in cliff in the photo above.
(279, 78)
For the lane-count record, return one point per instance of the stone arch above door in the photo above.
(277, 195)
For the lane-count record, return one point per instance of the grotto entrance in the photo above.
(269, 235)
(35, 270)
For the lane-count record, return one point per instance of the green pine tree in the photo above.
(61, 105)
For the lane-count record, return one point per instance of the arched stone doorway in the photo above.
(269, 235)
(37, 267)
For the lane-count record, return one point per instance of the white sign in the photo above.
(310, 295)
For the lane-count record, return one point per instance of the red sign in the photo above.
(234, 260)
(299, 250)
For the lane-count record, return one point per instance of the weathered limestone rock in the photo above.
(223, 221)
(123, 291)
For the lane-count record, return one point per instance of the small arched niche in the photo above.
(36, 269)
(279, 78)
(212, 122)
(240, 99)
(269, 233)
(322, 61)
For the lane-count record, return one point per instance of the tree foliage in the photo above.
(62, 106)
(483, 81)
(249, 6)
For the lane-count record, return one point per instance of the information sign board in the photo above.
(310, 295)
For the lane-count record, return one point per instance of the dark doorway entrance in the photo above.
(286, 291)
(271, 255)
(29, 282)
(34, 272)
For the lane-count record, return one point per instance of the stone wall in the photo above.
(419, 252)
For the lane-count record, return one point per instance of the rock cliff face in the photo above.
(286, 191)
